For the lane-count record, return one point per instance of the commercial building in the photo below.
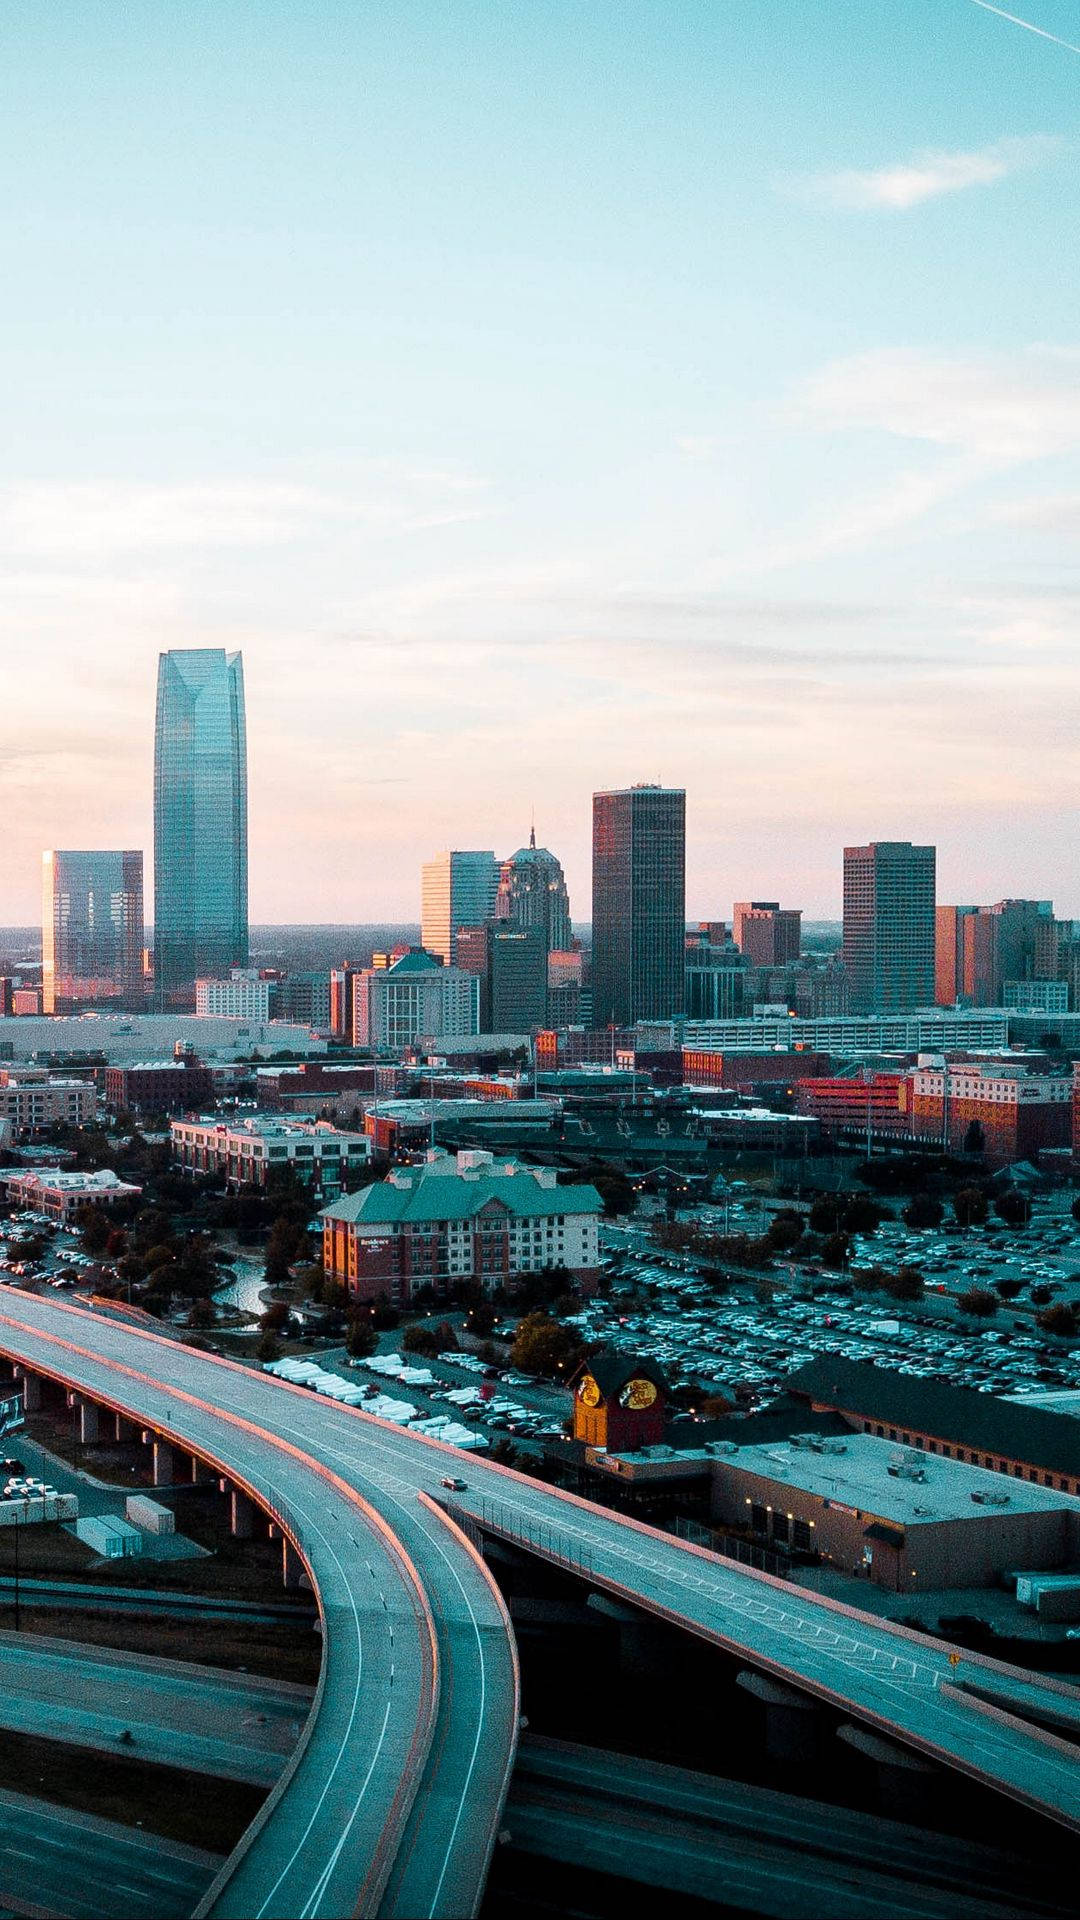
(417, 995)
(907, 1522)
(402, 1126)
(849, 1103)
(979, 949)
(158, 1086)
(122, 1039)
(200, 822)
(757, 1129)
(510, 962)
(459, 1220)
(457, 890)
(1016, 1112)
(250, 1152)
(247, 994)
(342, 982)
(889, 926)
(59, 1194)
(532, 893)
(716, 975)
(931, 1030)
(305, 998)
(769, 935)
(728, 1067)
(91, 930)
(639, 905)
(33, 1099)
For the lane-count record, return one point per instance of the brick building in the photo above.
(456, 1220)
(1018, 1112)
(847, 1102)
(157, 1086)
(717, 1067)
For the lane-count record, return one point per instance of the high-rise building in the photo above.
(889, 926)
(716, 974)
(768, 934)
(532, 893)
(91, 930)
(457, 890)
(639, 905)
(979, 949)
(341, 1000)
(511, 964)
(200, 822)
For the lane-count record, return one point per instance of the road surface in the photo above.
(53, 1860)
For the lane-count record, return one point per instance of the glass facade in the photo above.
(639, 905)
(91, 930)
(200, 822)
(889, 926)
(457, 890)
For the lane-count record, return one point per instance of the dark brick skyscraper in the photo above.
(638, 905)
(889, 926)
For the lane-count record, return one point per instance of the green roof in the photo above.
(447, 1197)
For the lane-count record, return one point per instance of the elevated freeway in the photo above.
(394, 1800)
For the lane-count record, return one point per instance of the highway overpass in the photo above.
(393, 1801)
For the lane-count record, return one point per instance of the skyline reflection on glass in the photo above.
(200, 821)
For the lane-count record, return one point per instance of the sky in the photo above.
(546, 398)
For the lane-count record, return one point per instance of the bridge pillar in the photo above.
(241, 1515)
(644, 1644)
(31, 1391)
(163, 1463)
(201, 1474)
(123, 1429)
(293, 1571)
(792, 1719)
(908, 1785)
(89, 1422)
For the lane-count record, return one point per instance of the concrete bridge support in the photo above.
(908, 1786)
(201, 1474)
(293, 1572)
(792, 1720)
(241, 1515)
(164, 1463)
(89, 1423)
(31, 1391)
(644, 1644)
(124, 1430)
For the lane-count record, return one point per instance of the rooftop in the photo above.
(878, 1479)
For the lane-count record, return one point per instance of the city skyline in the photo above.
(808, 557)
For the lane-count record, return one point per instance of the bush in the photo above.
(269, 1347)
(835, 1251)
(1061, 1318)
(361, 1339)
(979, 1301)
(923, 1211)
(906, 1283)
(970, 1206)
(1008, 1289)
(1013, 1207)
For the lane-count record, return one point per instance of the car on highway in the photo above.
(451, 1482)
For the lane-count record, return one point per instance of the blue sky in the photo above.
(547, 397)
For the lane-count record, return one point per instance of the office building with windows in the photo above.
(91, 931)
(889, 926)
(768, 934)
(457, 890)
(415, 997)
(532, 893)
(639, 905)
(200, 822)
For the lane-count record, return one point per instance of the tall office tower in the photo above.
(768, 934)
(981, 950)
(91, 931)
(639, 905)
(511, 964)
(200, 822)
(341, 1000)
(532, 893)
(457, 890)
(717, 974)
(889, 926)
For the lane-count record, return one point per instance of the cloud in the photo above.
(105, 520)
(996, 411)
(927, 176)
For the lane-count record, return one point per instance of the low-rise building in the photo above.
(32, 1100)
(456, 1220)
(846, 1103)
(58, 1193)
(757, 1128)
(1016, 1112)
(248, 994)
(249, 1152)
(909, 1523)
(158, 1086)
(406, 1126)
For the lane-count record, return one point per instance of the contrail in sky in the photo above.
(1017, 22)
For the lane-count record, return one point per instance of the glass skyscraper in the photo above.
(200, 821)
(91, 930)
(639, 905)
(889, 926)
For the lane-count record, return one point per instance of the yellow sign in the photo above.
(954, 1659)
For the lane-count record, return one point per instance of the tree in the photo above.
(269, 1347)
(835, 1251)
(1076, 1208)
(826, 1213)
(906, 1283)
(923, 1211)
(276, 1317)
(1013, 1207)
(970, 1206)
(784, 1232)
(978, 1301)
(975, 1138)
(543, 1345)
(861, 1214)
(1061, 1318)
(94, 1228)
(420, 1339)
(1008, 1289)
(361, 1339)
